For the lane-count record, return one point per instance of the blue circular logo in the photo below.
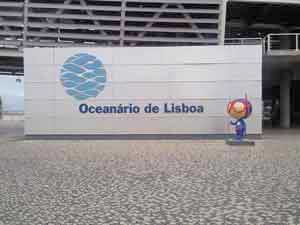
(83, 76)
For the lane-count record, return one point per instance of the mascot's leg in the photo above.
(240, 129)
(244, 130)
(243, 126)
(238, 134)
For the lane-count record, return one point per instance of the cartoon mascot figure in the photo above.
(239, 109)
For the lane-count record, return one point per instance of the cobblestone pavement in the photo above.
(149, 182)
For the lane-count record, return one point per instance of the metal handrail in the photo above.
(273, 44)
(246, 41)
(243, 41)
(282, 43)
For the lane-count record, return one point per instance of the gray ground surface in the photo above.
(148, 182)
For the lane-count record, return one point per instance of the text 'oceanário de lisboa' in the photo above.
(147, 108)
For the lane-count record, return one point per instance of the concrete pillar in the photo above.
(0, 108)
(285, 108)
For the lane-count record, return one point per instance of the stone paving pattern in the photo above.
(190, 182)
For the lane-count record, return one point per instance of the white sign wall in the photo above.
(170, 79)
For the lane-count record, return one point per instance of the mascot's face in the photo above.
(239, 108)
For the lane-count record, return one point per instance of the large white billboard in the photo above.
(139, 90)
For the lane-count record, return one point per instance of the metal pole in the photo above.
(269, 43)
(25, 15)
(297, 44)
(123, 15)
(222, 22)
(263, 40)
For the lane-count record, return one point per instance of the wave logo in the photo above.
(83, 76)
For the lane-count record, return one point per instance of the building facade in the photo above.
(83, 23)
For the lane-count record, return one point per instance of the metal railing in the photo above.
(246, 41)
(243, 41)
(272, 44)
(282, 44)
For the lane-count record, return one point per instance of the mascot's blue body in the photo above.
(240, 129)
(239, 109)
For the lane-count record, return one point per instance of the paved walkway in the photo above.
(190, 182)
